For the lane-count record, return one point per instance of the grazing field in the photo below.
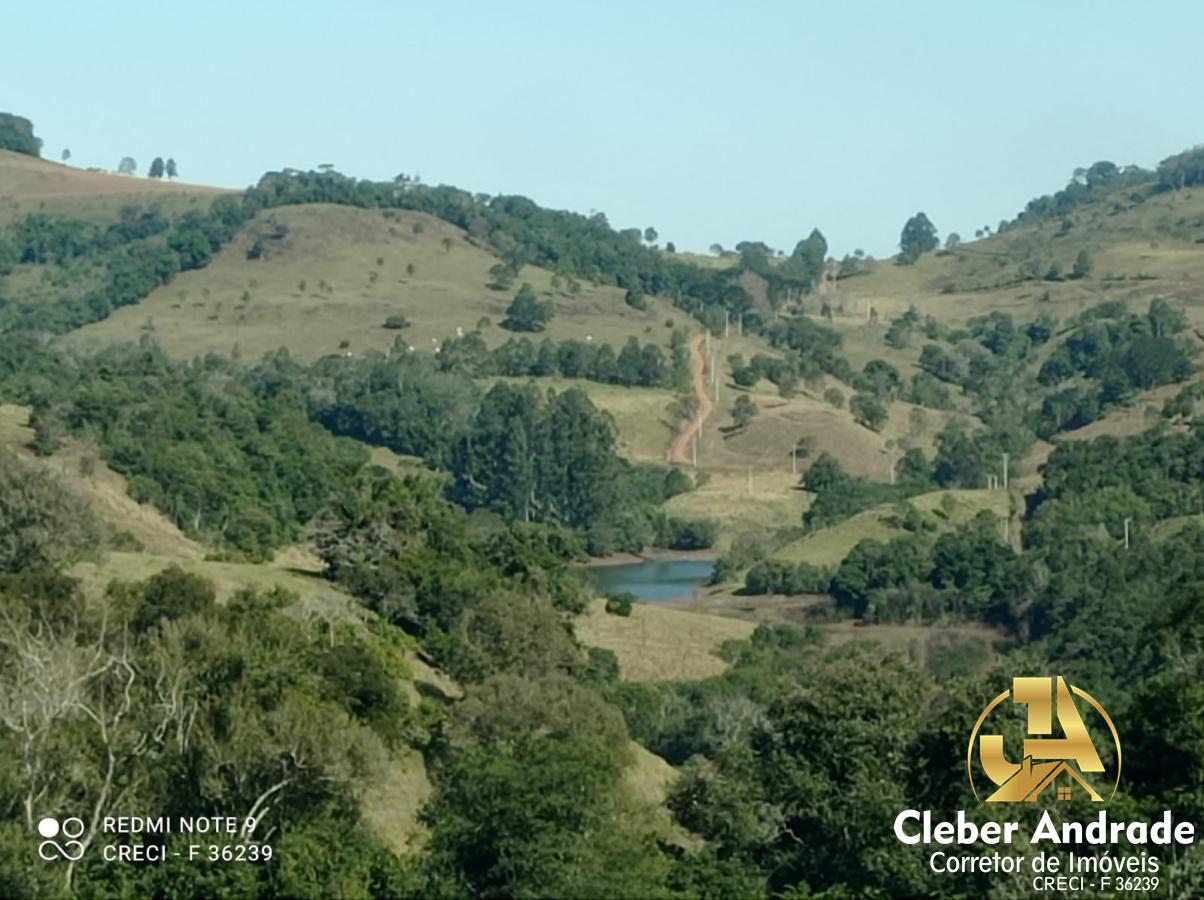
(337, 273)
(1138, 251)
(774, 502)
(657, 643)
(806, 419)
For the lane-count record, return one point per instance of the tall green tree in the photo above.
(541, 761)
(918, 237)
(743, 411)
(527, 312)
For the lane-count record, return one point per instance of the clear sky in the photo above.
(712, 122)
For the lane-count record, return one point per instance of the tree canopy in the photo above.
(918, 237)
(16, 134)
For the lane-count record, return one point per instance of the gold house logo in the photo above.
(1066, 764)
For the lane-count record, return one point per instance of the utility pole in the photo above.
(1127, 521)
(727, 323)
(1005, 471)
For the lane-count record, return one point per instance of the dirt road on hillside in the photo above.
(680, 451)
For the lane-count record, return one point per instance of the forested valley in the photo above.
(451, 497)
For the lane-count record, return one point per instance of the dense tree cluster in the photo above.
(126, 259)
(16, 134)
(1117, 354)
(548, 457)
(776, 576)
(42, 524)
(839, 495)
(245, 457)
(230, 458)
(191, 706)
(817, 346)
(1098, 361)
(784, 373)
(634, 365)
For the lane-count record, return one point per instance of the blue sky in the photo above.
(712, 122)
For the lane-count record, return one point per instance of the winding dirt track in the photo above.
(680, 451)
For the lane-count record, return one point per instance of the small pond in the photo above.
(653, 579)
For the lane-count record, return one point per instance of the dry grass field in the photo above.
(658, 643)
(773, 502)
(392, 804)
(29, 185)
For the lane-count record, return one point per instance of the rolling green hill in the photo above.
(322, 279)
(334, 275)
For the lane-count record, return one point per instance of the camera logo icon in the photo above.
(70, 829)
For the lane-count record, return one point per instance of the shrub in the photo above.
(686, 534)
(620, 604)
(869, 411)
(42, 524)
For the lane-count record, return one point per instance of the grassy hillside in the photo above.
(330, 275)
(773, 501)
(1138, 251)
(656, 643)
(338, 272)
(948, 509)
(31, 185)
